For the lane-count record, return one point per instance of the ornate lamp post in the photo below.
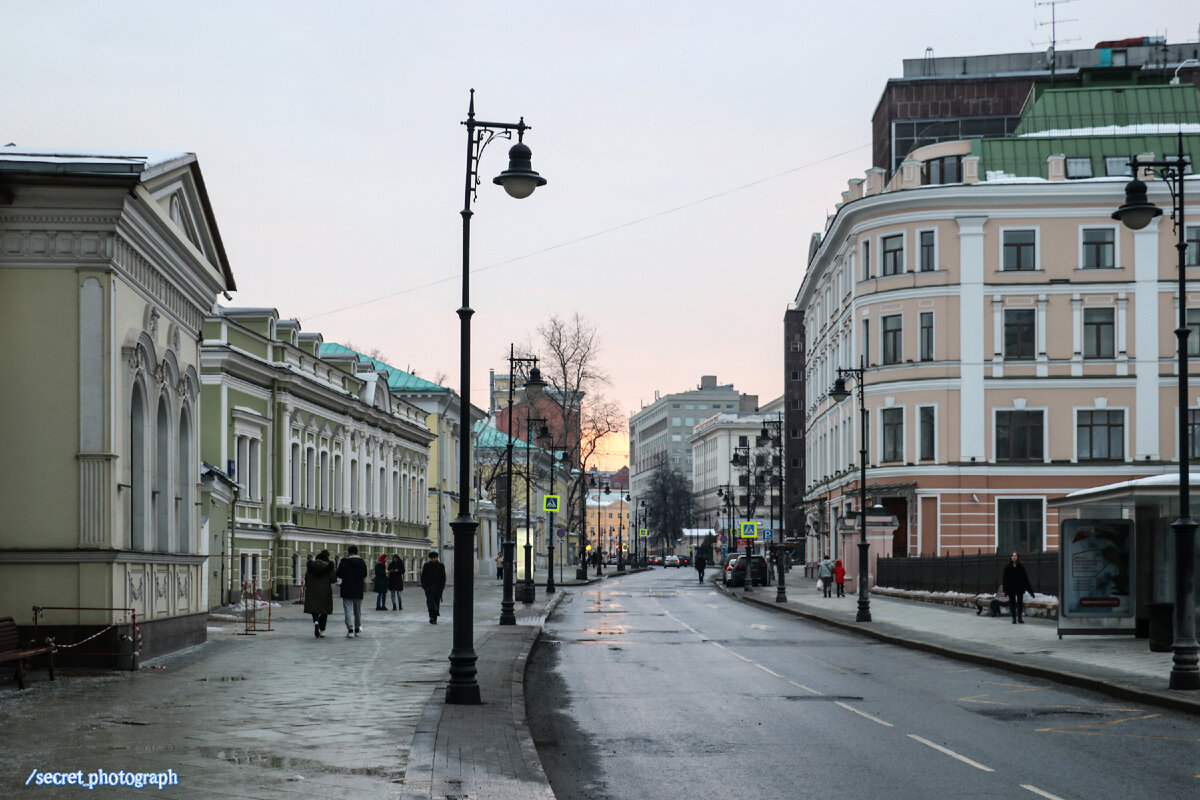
(621, 534)
(772, 434)
(840, 393)
(533, 389)
(519, 180)
(1135, 214)
(546, 442)
(741, 458)
(527, 591)
(601, 486)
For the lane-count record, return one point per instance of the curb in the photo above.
(1184, 705)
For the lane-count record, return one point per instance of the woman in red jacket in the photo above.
(839, 577)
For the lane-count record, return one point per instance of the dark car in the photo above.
(654, 560)
(685, 561)
(735, 571)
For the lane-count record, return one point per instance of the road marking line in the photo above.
(768, 671)
(808, 689)
(951, 753)
(761, 627)
(1041, 792)
(849, 707)
(742, 657)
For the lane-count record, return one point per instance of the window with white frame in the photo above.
(1099, 332)
(892, 420)
(1191, 257)
(866, 259)
(927, 242)
(1079, 167)
(1193, 326)
(1019, 246)
(925, 318)
(927, 421)
(1019, 525)
(1117, 166)
(1020, 329)
(1019, 435)
(1098, 248)
(893, 338)
(1100, 434)
(891, 254)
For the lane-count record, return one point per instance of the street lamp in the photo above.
(1135, 214)
(621, 534)
(772, 434)
(545, 440)
(600, 486)
(533, 389)
(641, 559)
(741, 458)
(527, 592)
(840, 393)
(519, 180)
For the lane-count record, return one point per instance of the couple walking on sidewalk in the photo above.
(352, 570)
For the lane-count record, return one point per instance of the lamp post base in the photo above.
(463, 688)
(864, 592)
(1185, 662)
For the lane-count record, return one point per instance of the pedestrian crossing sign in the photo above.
(643, 532)
(749, 530)
(550, 502)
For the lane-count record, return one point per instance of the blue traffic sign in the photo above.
(768, 534)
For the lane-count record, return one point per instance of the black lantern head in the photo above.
(1137, 211)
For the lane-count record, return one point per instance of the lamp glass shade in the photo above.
(534, 385)
(1137, 211)
(839, 391)
(519, 180)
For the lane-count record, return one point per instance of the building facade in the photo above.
(1017, 343)
(323, 456)
(108, 266)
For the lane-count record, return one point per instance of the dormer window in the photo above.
(947, 169)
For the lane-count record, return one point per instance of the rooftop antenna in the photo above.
(1053, 23)
(927, 66)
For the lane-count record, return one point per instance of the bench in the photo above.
(989, 601)
(11, 650)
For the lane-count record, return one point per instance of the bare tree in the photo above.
(668, 503)
(579, 414)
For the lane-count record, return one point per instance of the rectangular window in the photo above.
(926, 418)
(1079, 167)
(1099, 248)
(1193, 417)
(1099, 332)
(866, 258)
(1193, 325)
(866, 341)
(1020, 250)
(892, 254)
(1019, 334)
(893, 434)
(1100, 435)
(1191, 257)
(1117, 166)
(1019, 435)
(1019, 526)
(926, 319)
(928, 244)
(893, 345)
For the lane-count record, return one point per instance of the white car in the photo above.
(671, 561)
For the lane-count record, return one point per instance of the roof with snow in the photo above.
(397, 379)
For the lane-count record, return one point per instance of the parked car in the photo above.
(671, 561)
(685, 561)
(654, 560)
(735, 571)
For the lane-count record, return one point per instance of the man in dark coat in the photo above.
(353, 572)
(701, 563)
(318, 590)
(433, 582)
(1015, 582)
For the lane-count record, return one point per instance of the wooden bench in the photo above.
(11, 650)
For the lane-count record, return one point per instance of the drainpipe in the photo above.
(272, 420)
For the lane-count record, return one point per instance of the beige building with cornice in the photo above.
(109, 263)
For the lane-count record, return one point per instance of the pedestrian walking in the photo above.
(433, 582)
(319, 578)
(839, 578)
(395, 578)
(352, 571)
(500, 565)
(381, 583)
(701, 563)
(1015, 582)
(825, 573)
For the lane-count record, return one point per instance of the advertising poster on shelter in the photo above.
(1097, 567)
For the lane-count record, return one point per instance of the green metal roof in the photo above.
(488, 437)
(1095, 123)
(397, 379)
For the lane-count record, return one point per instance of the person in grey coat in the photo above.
(318, 590)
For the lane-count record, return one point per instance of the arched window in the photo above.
(163, 493)
(138, 477)
(187, 482)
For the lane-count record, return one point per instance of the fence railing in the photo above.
(977, 573)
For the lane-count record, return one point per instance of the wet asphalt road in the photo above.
(654, 686)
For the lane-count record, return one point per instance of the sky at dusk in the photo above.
(691, 148)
